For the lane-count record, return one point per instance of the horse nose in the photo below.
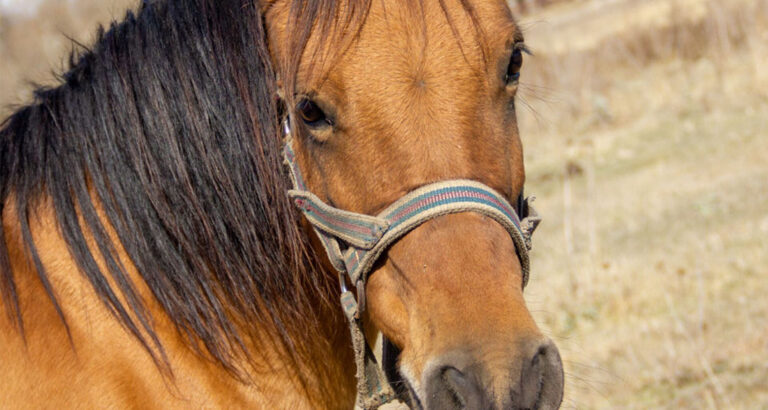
(536, 382)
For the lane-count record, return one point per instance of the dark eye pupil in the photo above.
(515, 63)
(310, 113)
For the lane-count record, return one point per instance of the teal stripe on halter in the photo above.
(463, 198)
(456, 188)
(435, 200)
(290, 160)
(366, 232)
(353, 259)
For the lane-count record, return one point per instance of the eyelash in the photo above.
(512, 74)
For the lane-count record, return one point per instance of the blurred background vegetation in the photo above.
(645, 127)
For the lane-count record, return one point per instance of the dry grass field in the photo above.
(646, 140)
(645, 125)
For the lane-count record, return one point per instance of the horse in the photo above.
(153, 252)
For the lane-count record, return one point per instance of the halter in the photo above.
(355, 241)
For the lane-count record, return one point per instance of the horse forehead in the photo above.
(406, 64)
(413, 43)
(426, 63)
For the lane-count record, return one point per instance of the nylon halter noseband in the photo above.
(355, 241)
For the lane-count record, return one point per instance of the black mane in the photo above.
(170, 127)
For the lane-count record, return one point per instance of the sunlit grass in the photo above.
(652, 174)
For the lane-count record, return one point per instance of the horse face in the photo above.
(426, 92)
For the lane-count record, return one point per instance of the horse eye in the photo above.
(515, 63)
(310, 113)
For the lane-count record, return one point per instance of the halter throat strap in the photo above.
(355, 241)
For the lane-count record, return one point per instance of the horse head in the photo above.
(393, 96)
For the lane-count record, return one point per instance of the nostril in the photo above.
(458, 385)
(451, 388)
(533, 379)
(542, 380)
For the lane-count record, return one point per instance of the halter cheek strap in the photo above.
(355, 241)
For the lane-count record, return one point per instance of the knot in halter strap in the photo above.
(355, 241)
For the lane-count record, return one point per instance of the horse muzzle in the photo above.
(461, 380)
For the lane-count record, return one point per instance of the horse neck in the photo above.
(103, 354)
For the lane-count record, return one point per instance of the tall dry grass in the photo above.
(582, 76)
(34, 48)
(645, 132)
